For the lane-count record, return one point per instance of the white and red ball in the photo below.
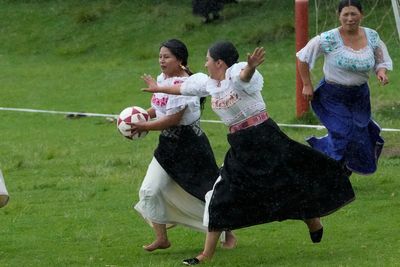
(131, 115)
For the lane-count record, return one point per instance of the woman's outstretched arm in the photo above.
(253, 61)
(153, 87)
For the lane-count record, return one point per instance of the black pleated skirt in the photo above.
(269, 177)
(186, 155)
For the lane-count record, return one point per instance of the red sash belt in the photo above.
(252, 121)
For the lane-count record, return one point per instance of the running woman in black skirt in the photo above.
(266, 176)
(183, 168)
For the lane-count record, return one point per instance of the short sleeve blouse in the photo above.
(231, 99)
(166, 104)
(342, 64)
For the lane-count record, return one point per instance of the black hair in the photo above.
(225, 51)
(180, 51)
(346, 3)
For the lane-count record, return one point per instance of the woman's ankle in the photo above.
(230, 240)
(203, 256)
(313, 224)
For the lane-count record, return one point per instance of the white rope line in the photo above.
(318, 127)
(59, 112)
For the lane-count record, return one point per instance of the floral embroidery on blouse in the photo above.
(342, 64)
(362, 60)
(224, 102)
(328, 41)
(360, 63)
(161, 102)
(373, 37)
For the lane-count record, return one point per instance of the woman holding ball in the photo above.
(266, 176)
(183, 168)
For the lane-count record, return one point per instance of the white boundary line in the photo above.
(318, 127)
(59, 112)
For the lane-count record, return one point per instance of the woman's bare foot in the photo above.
(230, 240)
(157, 245)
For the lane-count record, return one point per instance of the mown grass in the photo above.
(72, 182)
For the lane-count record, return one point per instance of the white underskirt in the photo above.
(3, 192)
(163, 201)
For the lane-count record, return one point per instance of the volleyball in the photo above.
(131, 115)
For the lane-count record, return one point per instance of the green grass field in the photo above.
(72, 182)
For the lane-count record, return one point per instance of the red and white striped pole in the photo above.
(301, 25)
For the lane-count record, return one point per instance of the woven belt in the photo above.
(176, 131)
(252, 121)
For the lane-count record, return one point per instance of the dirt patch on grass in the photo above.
(391, 152)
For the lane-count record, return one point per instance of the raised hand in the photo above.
(152, 86)
(256, 58)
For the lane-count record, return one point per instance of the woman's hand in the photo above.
(137, 127)
(152, 86)
(256, 58)
(308, 92)
(253, 61)
(381, 75)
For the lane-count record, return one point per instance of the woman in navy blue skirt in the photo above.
(342, 99)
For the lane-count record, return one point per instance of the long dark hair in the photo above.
(180, 51)
(346, 3)
(225, 51)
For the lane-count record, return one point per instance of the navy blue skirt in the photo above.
(353, 137)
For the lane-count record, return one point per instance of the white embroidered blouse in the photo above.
(231, 99)
(165, 104)
(342, 64)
